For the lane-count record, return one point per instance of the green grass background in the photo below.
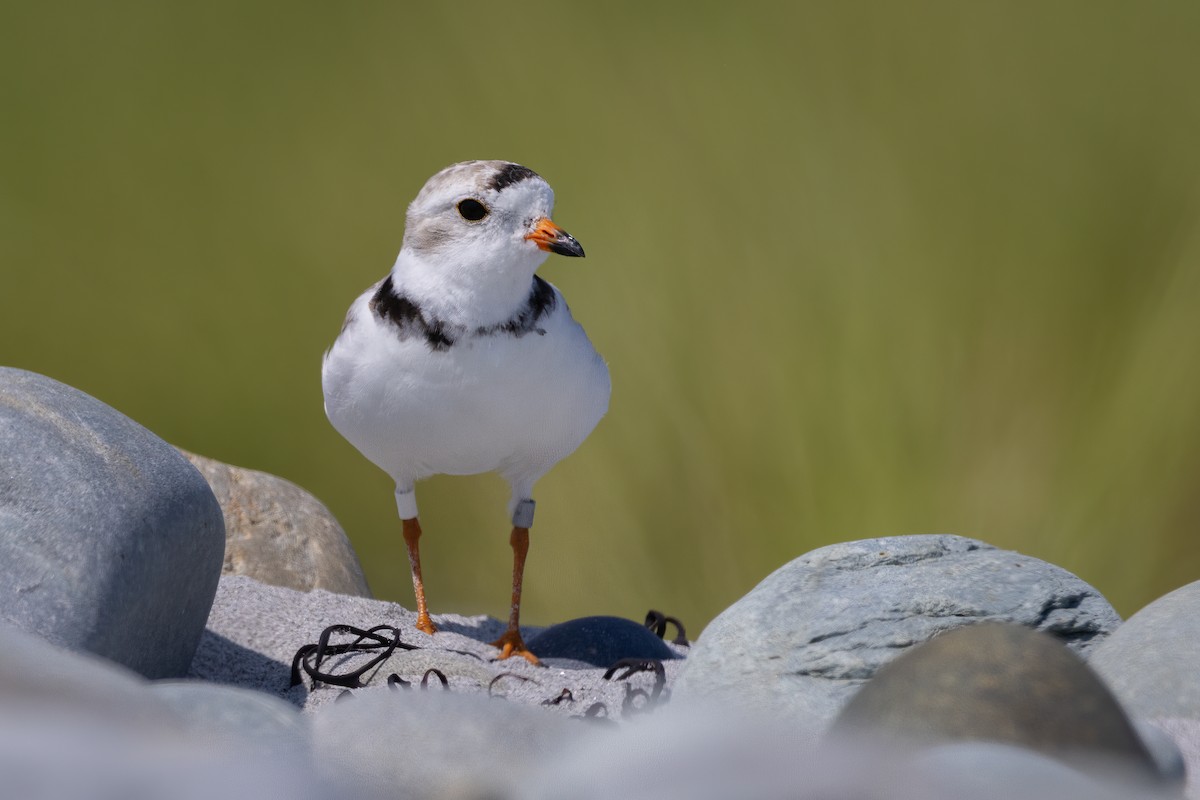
(859, 269)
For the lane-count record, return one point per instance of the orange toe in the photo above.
(511, 644)
(424, 623)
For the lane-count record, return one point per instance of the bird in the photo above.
(462, 360)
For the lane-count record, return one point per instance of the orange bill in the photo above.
(553, 239)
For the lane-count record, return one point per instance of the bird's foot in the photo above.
(425, 624)
(511, 644)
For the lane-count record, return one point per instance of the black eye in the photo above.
(472, 210)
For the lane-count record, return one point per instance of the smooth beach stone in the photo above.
(74, 724)
(997, 683)
(110, 541)
(1152, 662)
(83, 756)
(684, 754)
(989, 771)
(678, 753)
(395, 743)
(810, 633)
(1169, 752)
(1184, 735)
(277, 533)
(248, 721)
(38, 678)
(598, 642)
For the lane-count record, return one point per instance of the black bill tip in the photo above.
(565, 245)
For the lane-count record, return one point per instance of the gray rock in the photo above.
(58, 758)
(386, 743)
(77, 725)
(803, 640)
(1169, 755)
(995, 683)
(686, 755)
(681, 754)
(989, 771)
(38, 678)
(1185, 736)
(1152, 661)
(277, 533)
(247, 721)
(255, 630)
(110, 542)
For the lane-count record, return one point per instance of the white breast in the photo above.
(514, 405)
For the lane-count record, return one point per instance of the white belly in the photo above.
(490, 403)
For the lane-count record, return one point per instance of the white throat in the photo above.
(465, 291)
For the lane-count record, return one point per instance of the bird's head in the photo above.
(485, 215)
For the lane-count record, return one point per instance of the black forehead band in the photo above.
(510, 174)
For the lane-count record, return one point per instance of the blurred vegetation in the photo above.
(859, 269)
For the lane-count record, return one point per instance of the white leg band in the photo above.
(523, 515)
(406, 503)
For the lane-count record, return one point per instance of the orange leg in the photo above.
(511, 643)
(412, 532)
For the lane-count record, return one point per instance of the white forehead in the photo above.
(485, 180)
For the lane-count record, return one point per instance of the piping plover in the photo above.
(462, 360)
